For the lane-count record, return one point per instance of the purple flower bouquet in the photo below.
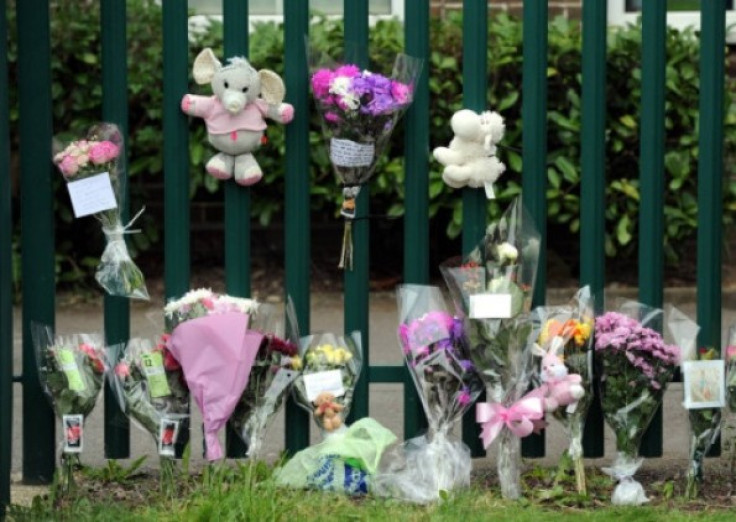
(635, 366)
(359, 109)
(437, 355)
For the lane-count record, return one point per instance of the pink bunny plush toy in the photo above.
(235, 114)
(560, 388)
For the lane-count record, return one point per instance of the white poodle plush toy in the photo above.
(471, 157)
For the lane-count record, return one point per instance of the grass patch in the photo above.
(245, 491)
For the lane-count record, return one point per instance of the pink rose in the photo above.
(103, 152)
(68, 166)
(321, 82)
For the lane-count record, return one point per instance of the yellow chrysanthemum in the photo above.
(296, 362)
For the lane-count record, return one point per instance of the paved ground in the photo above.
(326, 314)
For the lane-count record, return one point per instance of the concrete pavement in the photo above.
(385, 400)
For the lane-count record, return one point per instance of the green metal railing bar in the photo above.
(475, 204)
(237, 198)
(651, 209)
(593, 184)
(710, 176)
(37, 231)
(356, 280)
(6, 275)
(534, 145)
(296, 206)
(115, 110)
(416, 189)
(176, 167)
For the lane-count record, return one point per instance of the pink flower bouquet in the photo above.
(93, 172)
(359, 109)
(635, 365)
(437, 355)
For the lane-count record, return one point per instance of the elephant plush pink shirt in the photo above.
(219, 120)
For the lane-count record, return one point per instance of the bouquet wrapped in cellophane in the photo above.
(729, 424)
(436, 354)
(492, 290)
(566, 369)
(348, 456)
(359, 110)
(71, 370)
(211, 340)
(150, 387)
(635, 365)
(276, 365)
(92, 168)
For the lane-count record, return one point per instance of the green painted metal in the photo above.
(593, 184)
(115, 110)
(651, 210)
(237, 198)
(6, 276)
(356, 280)
(534, 144)
(416, 199)
(475, 204)
(37, 231)
(710, 176)
(176, 163)
(297, 224)
(388, 375)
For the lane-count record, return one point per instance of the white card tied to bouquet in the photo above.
(471, 160)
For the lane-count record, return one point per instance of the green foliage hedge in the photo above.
(77, 102)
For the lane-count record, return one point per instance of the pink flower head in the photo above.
(464, 397)
(103, 152)
(730, 353)
(400, 92)
(321, 83)
(88, 349)
(208, 303)
(349, 70)
(122, 370)
(68, 166)
(332, 117)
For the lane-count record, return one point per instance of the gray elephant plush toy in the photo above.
(236, 114)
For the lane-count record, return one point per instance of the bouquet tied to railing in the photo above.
(71, 371)
(211, 340)
(358, 111)
(151, 390)
(437, 356)
(565, 374)
(635, 365)
(492, 289)
(348, 456)
(92, 168)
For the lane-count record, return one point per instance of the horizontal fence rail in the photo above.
(36, 176)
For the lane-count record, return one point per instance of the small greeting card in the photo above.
(73, 433)
(704, 384)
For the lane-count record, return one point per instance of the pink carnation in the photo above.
(351, 71)
(332, 117)
(400, 92)
(321, 82)
(103, 152)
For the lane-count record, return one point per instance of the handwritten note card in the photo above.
(92, 195)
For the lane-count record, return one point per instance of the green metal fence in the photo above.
(37, 240)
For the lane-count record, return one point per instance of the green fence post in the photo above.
(296, 211)
(651, 175)
(176, 158)
(6, 276)
(115, 110)
(475, 203)
(534, 144)
(593, 185)
(356, 280)
(37, 231)
(416, 183)
(710, 175)
(237, 198)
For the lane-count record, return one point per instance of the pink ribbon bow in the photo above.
(521, 418)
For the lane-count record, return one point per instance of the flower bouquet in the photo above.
(150, 387)
(359, 110)
(492, 291)
(276, 365)
(348, 457)
(211, 341)
(71, 371)
(635, 366)
(93, 172)
(437, 356)
(729, 426)
(566, 373)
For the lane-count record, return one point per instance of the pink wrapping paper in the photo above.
(216, 353)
